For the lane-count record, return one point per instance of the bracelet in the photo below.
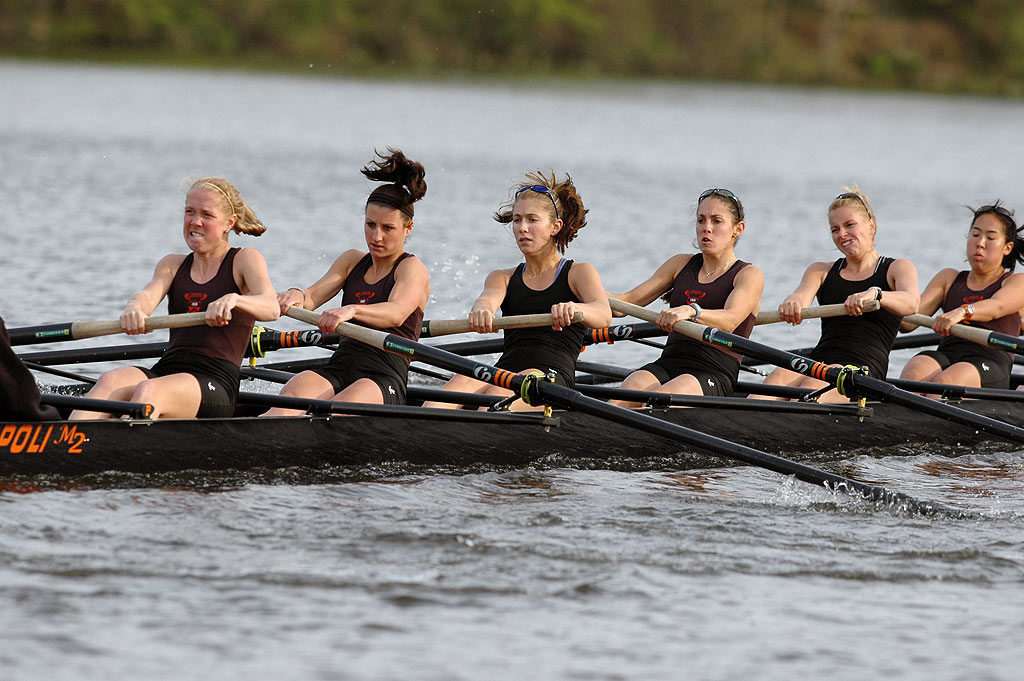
(697, 310)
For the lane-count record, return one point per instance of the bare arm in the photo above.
(1009, 299)
(659, 282)
(934, 294)
(803, 296)
(481, 314)
(411, 291)
(142, 303)
(585, 282)
(326, 287)
(905, 296)
(257, 292)
(744, 300)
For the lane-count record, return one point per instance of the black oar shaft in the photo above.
(537, 391)
(857, 383)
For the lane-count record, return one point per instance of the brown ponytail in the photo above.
(405, 179)
(565, 204)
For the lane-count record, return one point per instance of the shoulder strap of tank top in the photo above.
(185, 264)
(884, 260)
(836, 266)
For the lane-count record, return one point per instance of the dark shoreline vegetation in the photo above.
(944, 46)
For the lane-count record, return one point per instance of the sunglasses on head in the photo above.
(724, 193)
(855, 195)
(998, 210)
(540, 189)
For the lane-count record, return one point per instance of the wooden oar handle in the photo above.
(361, 333)
(174, 321)
(444, 327)
(971, 333)
(815, 312)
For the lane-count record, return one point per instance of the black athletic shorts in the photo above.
(715, 383)
(219, 389)
(516, 366)
(993, 374)
(345, 369)
(843, 358)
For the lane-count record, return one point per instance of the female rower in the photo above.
(987, 296)
(861, 275)
(713, 287)
(545, 216)
(384, 288)
(198, 374)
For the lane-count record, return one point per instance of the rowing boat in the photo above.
(354, 435)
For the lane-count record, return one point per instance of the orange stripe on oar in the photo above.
(818, 371)
(504, 378)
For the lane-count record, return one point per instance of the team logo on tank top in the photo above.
(972, 299)
(195, 301)
(694, 295)
(363, 297)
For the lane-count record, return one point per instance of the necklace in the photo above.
(708, 273)
(542, 270)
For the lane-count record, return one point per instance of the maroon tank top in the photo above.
(358, 292)
(222, 342)
(688, 289)
(959, 294)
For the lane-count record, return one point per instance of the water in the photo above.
(549, 572)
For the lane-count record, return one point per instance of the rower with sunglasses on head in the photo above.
(987, 296)
(712, 287)
(545, 216)
(861, 275)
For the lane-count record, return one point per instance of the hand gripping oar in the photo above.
(536, 390)
(815, 312)
(53, 333)
(444, 327)
(976, 334)
(845, 379)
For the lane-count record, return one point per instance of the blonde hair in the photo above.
(234, 204)
(853, 197)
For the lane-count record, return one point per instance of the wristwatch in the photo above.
(968, 312)
(878, 292)
(697, 310)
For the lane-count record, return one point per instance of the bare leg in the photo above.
(462, 384)
(780, 377)
(638, 380)
(307, 384)
(118, 384)
(177, 396)
(363, 391)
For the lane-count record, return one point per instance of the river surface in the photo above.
(550, 572)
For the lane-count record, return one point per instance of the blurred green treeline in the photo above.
(935, 45)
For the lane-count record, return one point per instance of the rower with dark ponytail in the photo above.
(383, 287)
(546, 215)
(987, 295)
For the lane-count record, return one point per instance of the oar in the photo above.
(914, 340)
(136, 410)
(57, 372)
(849, 382)
(976, 334)
(815, 312)
(444, 327)
(53, 333)
(536, 391)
